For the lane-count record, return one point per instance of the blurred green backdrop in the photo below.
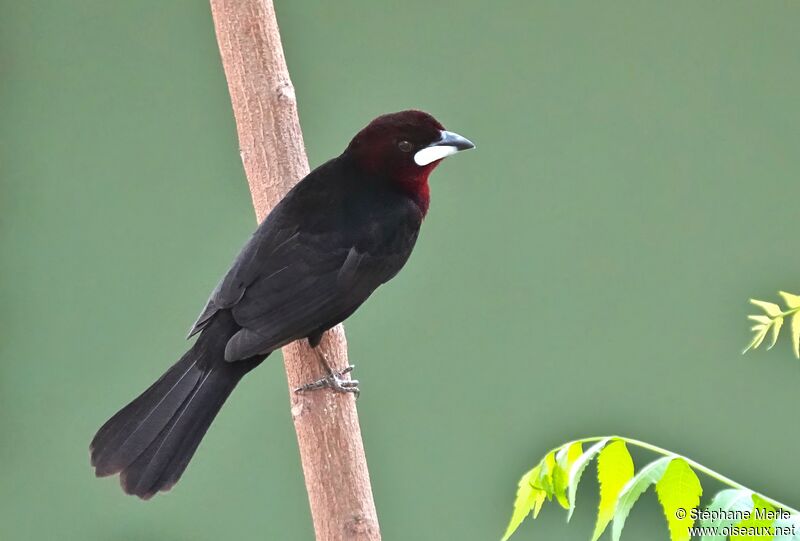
(586, 271)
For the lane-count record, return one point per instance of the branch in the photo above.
(273, 154)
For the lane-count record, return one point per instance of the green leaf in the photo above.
(565, 457)
(760, 319)
(529, 499)
(796, 334)
(577, 471)
(770, 308)
(679, 488)
(755, 522)
(792, 301)
(648, 475)
(545, 479)
(614, 470)
(730, 502)
(788, 529)
(776, 329)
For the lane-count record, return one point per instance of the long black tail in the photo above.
(150, 441)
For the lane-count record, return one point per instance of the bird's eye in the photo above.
(405, 146)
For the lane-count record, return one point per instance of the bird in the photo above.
(342, 231)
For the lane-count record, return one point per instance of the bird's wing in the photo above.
(253, 260)
(317, 285)
(259, 256)
(289, 282)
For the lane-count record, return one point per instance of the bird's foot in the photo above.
(334, 382)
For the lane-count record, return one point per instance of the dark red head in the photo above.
(404, 148)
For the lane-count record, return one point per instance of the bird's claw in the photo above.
(334, 382)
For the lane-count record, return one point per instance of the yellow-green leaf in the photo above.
(529, 498)
(614, 470)
(776, 329)
(537, 504)
(770, 308)
(577, 471)
(634, 488)
(761, 332)
(792, 301)
(760, 319)
(796, 334)
(679, 489)
(565, 457)
(757, 525)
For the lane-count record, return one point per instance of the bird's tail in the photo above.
(150, 441)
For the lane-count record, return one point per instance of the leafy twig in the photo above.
(678, 488)
(773, 321)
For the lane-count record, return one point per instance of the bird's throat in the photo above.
(418, 190)
(415, 185)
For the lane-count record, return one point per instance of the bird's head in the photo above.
(404, 148)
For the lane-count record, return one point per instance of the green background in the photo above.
(586, 271)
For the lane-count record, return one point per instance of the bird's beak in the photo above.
(448, 144)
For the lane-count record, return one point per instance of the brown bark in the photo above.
(272, 150)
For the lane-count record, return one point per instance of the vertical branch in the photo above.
(272, 150)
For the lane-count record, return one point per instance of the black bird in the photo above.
(342, 231)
